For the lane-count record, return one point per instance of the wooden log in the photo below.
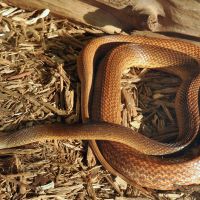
(88, 12)
(177, 16)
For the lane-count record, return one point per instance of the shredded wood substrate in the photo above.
(39, 85)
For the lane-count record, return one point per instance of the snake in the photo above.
(121, 150)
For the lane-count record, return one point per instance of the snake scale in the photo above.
(124, 152)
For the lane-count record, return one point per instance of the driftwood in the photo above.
(179, 16)
(75, 10)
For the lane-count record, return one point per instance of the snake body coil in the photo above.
(121, 150)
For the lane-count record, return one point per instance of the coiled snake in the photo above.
(121, 150)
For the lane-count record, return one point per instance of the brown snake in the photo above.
(121, 150)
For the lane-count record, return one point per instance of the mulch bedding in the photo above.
(39, 85)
